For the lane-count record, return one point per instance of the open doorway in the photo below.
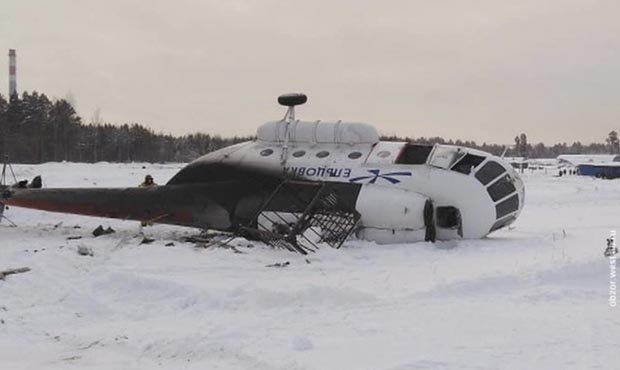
(448, 217)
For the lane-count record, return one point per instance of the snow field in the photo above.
(534, 296)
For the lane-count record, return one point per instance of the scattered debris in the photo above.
(196, 239)
(202, 245)
(85, 251)
(279, 265)
(147, 240)
(98, 231)
(171, 244)
(58, 225)
(234, 249)
(74, 237)
(20, 270)
(77, 227)
(72, 358)
(101, 231)
(121, 243)
(319, 218)
(90, 345)
(207, 240)
(219, 244)
(206, 236)
(36, 183)
(307, 261)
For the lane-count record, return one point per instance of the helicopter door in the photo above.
(448, 221)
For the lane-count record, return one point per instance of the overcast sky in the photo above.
(482, 70)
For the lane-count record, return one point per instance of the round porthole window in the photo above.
(322, 154)
(266, 152)
(299, 153)
(383, 154)
(355, 155)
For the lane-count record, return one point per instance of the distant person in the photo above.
(148, 182)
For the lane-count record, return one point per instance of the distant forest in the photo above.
(36, 129)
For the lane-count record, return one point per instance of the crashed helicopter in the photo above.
(300, 183)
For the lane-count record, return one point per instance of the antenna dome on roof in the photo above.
(291, 100)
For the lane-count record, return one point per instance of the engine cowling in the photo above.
(393, 215)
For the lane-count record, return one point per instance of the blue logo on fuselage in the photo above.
(390, 177)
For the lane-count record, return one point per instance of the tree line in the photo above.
(522, 148)
(36, 129)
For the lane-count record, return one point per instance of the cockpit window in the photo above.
(466, 163)
(501, 188)
(491, 170)
(414, 154)
(507, 206)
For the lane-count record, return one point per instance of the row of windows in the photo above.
(507, 206)
(301, 153)
(499, 189)
(490, 171)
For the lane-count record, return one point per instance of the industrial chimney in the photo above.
(12, 72)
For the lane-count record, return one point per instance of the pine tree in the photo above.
(613, 143)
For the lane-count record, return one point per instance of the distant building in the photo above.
(542, 163)
(517, 162)
(609, 170)
(574, 160)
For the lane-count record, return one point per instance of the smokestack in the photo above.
(12, 72)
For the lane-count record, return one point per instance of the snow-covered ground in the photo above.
(531, 297)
